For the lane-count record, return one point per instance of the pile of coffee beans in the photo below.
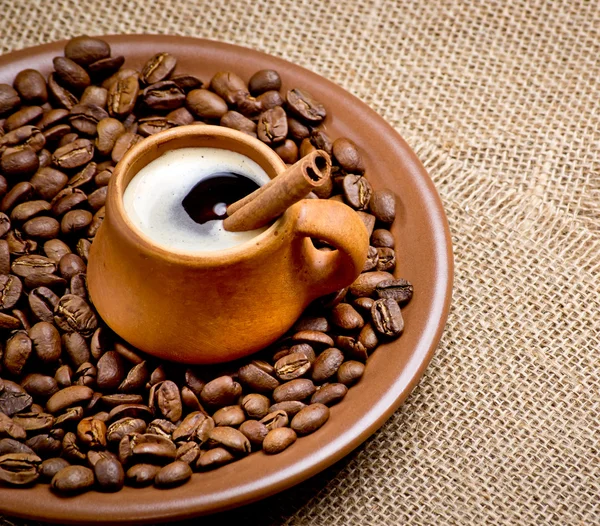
(81, 409)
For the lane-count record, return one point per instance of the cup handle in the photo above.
(341, 227)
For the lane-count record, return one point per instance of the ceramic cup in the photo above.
(220, 305)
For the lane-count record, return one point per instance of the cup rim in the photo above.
(116, 190)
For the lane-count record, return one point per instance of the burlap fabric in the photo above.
(500, 100)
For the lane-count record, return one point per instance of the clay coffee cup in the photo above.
(216, 306)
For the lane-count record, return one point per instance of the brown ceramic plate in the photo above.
(394, 369)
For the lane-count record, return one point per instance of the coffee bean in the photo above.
(39, 385)
(109, 474)
(180, 116)
(75, 220)
(255, 432)
(291, 407)
(17, 352)
(272, 126)
(62, 97)
(329, 394)
(164, 95)
(257, 379)
(67, 139)
(10, 445)
(195, 426)
(366, 283)
(121, 74)
(346, 317)
(67, 199)
(109, 130)
(63, 375)
(72, 480)
(42, 227)
(357, 191)
(105, 67)
(19, 469)
(48, 445)
(76, 348)
(151, 125)
(136, 378)
(188, 452)
(372, 259)
(21, 137)
(47, 182)
(302, 104)
(142, 474)
(155, 449)
(74, 155)
(158, 68)
(34, 422)
(368, 337)
(19, 192)
(85, 118)
(269, 100)
(13, 398)
(26, 115)
(206, 104)
(310, 419)
(4, 257)
(214, 458)
(232, 415)
(387, 317)
(52, 118)
(173, 474)
(42, 302)
(31, 87)
(123, 144)
(169, 400)
(103, 177)
(221, 391)
(348, 156)
(86, 50)
(229, 438)
(398, 290)
(9, 429)
(306, 148)
(256, 405)
(73, 314)
(95, 95)
(288, 151)
(124, 426)
(110, 371)
(70, 74)
(381, 238)
(298, 390)
(297, 130)
(19, 163)
(228, 86)
(122, 96)
(10, 290)
(9, 99)
(292, 366)
(186, 82)
(86, 374)
(236, 121)
(27, 210)
(327, 364)
(50, 467)
(350, 372)
(264, 80)
(352, 347)
(313, 338)
(69, 396)
(275, 419)
(278, 440)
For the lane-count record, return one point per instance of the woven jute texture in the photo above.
(500, 100)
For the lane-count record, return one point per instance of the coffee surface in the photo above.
(179, 200)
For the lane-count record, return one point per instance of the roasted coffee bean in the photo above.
(368, 337)
(109, 474)
(93, 457)
(86, 50)
(366, 283)
(60, 96)
(257, 379)
(383, 205)
(129, 353)
(122, 96)
(348, 156)
(320, 140)
(327, 364)
(47, 182)
(151, 125)
(164, 95)
(169, 400)
(71, 265)
(186, 82)
(74, 155)
(190, 400)
(275, 419)
(9, 99)
(47, 445)
(76, 348)
(97, 199)
(232, 415)
(352, 347)
(272, 126)
(155, 448)
(19, 192)
(95, 95)
(387, 317)
(291, 407)
(264, 80)
(67, 139)
(39, 385)
(221, 391)
(180, 116)
(19, 469)
(316, 339)
(13, 398)
(269, 100)
(110, 371)
(297, 130)
(34, 422)
(123, 143)
(162, 427)
(386, 259)
(4, 224)
(195, 426)
(214, 458)
(346, 317)
(228, 86)
(72, 480)
(255, 432)
(236, 121)
(357, 191)
(256, 405)
(31, 87)
(52, 118)
(329, 394)
(298, 390)
(312, 323)
(42, 227)
(125, 400)
(67, 199)
(173, 474)
(288, 151)
(17, 246)
(368, 220)
(28, 210)
(278, 440)
(19, 163)
(142, 474)
(86, 374)
(158, 68)
(302, 104)
(73, 314)
(310, 419)
(136, 378)
(10, 445)
(109, 130)
(120, 75)
(398, 290)
(382, 238)
(96, 222)
(17, 352)
(292, 366)
(4, 257)
(69, 396)
(85, 118)
(56, 133)
(75, 220)
(70, 74)
(42, 302)
(63, 375)
(188, 452)
(10, 290)
(26, 115)
(50, 467)
(350, 372)
(372, 259)
(71, 415)
(9, 429)
(206, 104)
(229, 438)
(21, 137)
(106, 66)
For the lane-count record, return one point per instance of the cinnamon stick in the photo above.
(274, 198)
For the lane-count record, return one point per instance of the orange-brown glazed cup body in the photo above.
(221, 305)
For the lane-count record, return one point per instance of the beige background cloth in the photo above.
(500, 100)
